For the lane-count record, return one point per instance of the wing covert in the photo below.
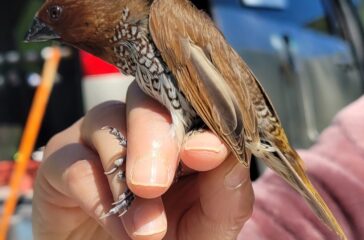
(208, 71)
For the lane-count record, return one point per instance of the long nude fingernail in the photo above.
(236, 177)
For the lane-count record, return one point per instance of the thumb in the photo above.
(227, 196)
(226, 202)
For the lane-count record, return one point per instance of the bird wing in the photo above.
(208, 71)
(216, 81)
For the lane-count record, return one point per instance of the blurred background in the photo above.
(308, 55)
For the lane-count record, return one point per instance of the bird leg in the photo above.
(117, 134)
(121, 176)
(125, 199)
(121, 206)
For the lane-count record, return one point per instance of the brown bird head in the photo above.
(85, 24)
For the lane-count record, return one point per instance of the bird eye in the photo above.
(55, 12)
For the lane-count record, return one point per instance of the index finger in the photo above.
(152, 151)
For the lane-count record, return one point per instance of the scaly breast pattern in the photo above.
(138, 56)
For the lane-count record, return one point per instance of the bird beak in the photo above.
(40, 32)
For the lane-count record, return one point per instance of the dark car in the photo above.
(307, 54)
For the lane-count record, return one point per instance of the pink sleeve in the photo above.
(335, 165)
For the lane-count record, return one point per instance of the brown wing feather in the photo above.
(218, 83)
(175, 39)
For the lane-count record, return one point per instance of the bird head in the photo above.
(85, 24)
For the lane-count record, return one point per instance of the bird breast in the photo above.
(137, 55)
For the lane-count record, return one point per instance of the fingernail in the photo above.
(236, 177)
(198, 143)
(149, 219)
(150, 172)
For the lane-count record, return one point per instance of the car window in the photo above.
(307, 13)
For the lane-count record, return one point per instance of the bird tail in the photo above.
(290, 167)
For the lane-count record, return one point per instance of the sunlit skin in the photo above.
(72, 192)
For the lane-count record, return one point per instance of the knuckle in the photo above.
(106, 108)
(110, 113)
(54, 143)
(78, 172)
(54, 140)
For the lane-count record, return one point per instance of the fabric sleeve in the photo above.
(335, 165)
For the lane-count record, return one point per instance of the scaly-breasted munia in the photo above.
(178, 57)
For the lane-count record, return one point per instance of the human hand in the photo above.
(72, 192)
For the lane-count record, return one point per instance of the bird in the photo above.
(180, 58)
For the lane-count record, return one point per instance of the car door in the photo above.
(298, 51)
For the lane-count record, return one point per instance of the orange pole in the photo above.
(29, 137)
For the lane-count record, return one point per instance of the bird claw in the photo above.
(125, 199)
(117, 164)
(112, 171)
(121, 206)
(127, 194)
(110, 213)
